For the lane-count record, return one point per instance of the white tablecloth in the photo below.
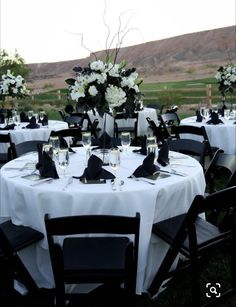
(20, 134)
(142, 122)
(222, 135)
(169, 196)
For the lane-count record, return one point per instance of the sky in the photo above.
(50, 30)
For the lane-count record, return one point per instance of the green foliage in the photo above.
(15, 63)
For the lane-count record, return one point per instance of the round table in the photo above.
(222, 135)
(169, 196)
(21, 133)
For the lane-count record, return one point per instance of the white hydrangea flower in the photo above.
(115, 96)
(113, 70)
(92, 90)
(97, 65)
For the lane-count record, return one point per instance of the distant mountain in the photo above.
(184, 57)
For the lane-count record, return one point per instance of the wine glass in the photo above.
(114, 161)
(227, 114)
(125, 140)
(151, 144)
(55, 142)
(30, 114)
(86, 142)
(47, 147)
(41, 115)
(63, 159)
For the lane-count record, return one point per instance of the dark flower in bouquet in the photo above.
(105, 87)
(12, 86)
(226, 77)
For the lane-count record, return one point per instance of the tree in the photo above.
(15, 63)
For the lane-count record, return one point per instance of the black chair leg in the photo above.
(24, 275)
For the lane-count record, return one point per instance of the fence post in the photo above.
(59, 94)
(209, 95)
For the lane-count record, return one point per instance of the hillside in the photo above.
(184, 57)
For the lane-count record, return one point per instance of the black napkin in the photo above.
(199, 116)
(24, 117)
(44, 121)
(148, 168)
(64, 144)
(143, 149)
(46, 166)
(163, 156)
(8, 127)
(105, 141)
(94, 170)
(214, 119)
(32, 124)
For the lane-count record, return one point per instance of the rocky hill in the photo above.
(184, 57)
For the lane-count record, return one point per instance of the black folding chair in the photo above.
(182, 130)
(110, 259)
(25, 147)
(192, 148)
(5, 139)
(194, 237)
(221, 168)
(132, 127)
(169, 120)
(12, 240)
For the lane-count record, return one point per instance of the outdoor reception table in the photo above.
(22, 134)
(171, 195)
(142, 122)
(222, 135)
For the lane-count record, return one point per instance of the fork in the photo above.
(142, 179)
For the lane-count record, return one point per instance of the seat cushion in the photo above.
(19, 236)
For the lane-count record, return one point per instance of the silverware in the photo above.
(142, 179)
(173, 172)
(41, 181)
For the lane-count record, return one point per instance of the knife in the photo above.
(173, 173)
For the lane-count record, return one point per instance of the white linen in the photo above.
(20, 134)
(222, 135)
(27, 205)
(142, 122)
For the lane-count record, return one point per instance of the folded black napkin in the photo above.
(143, 149)
(148, 168)
(46, 165)
(44, 121)
(105, 141)
(94, 170)
(214, 119)
(24, 117)
(163, 155)
(8, 127)
(32, 124)
(199, 116)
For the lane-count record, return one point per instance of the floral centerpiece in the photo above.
(11, 86)
(226, 77)
(104, 87)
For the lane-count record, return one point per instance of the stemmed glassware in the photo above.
(63, 159)
(54, 140)
(86, 142)
(125, 141)
(30, 114)
(114, 161)
(151, 144)
(41, 115)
